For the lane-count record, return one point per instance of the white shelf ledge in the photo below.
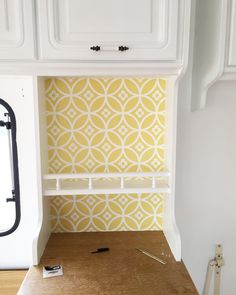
(106, 183)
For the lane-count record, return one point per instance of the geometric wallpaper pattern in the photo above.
(106, 125)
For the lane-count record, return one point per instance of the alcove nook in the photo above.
(107, 155)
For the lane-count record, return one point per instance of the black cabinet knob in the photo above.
(95, 48)
(123, 48)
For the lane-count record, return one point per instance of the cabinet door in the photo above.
(69, 28)
(16, 29)
(232, 38)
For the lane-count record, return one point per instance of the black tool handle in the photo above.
(100, 250)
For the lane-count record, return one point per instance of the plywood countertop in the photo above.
(121, 271)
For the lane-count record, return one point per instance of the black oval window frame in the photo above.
(15, 169)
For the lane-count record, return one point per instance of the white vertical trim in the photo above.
(43, 230)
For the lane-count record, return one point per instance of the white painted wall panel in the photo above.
(205, 194)
(16, 249)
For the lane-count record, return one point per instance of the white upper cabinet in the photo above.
(16, 30)
(110, 29)
(232, 37)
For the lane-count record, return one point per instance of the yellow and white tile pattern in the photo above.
(106, 125)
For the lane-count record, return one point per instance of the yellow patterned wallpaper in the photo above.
(106, 125)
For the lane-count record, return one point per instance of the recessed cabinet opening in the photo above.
(107, 160)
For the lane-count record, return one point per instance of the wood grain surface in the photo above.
(121, 271)
(10, 281)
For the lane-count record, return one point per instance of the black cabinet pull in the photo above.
(109, 48)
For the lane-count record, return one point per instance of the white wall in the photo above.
(16, 249)
(206, 174)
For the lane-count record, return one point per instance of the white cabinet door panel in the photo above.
(16, 29)
(68, 28)
(232, 39)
